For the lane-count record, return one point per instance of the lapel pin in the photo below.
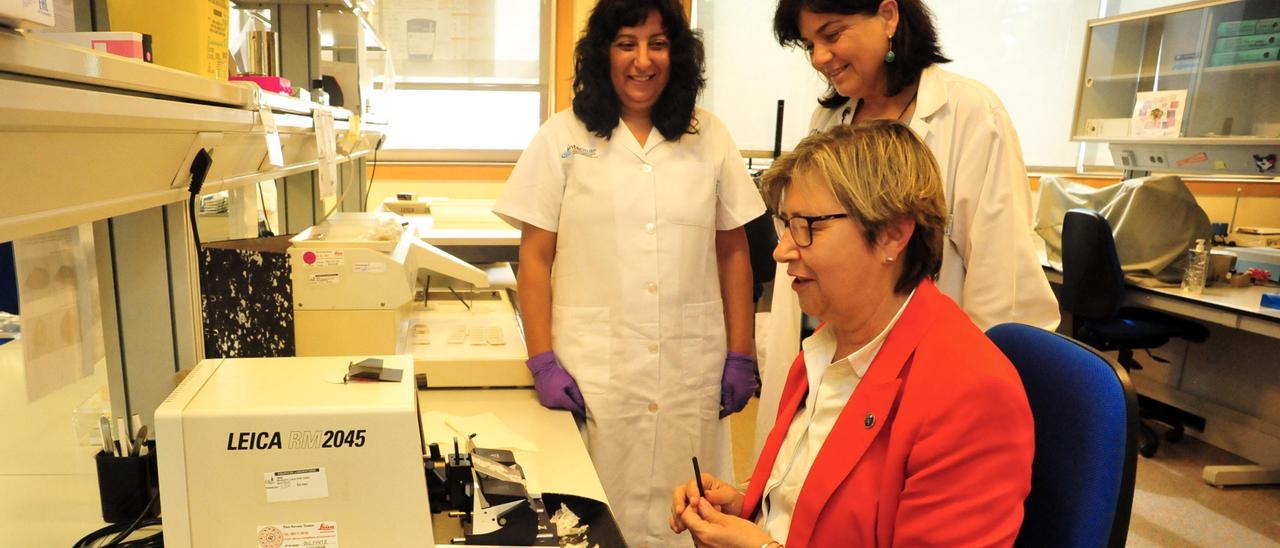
(869, 421)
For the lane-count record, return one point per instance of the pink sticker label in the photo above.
(309, 257)
(1193, 159)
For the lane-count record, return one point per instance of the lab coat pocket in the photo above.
(703, 346)
(688, 194)
(580, 336)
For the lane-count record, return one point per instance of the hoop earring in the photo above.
(890, 56)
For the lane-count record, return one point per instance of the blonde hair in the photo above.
(880, 172)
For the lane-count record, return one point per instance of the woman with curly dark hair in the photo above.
(634, 277)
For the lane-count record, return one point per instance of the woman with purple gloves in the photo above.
(634, 276)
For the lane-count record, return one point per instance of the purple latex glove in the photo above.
(738, 384)
(555, 386)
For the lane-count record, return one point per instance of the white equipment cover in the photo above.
(1155, 221)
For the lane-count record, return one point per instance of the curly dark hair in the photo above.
(596, 103)
(915, 42)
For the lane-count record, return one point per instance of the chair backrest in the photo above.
(1086, 421)
(1092, 282)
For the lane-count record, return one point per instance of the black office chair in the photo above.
(1092, 292)
(761, 239)
(1085, 415)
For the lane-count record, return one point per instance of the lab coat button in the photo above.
(652, 287)
(649, 228)
(653, 407)
(653, 348)
(646, 168)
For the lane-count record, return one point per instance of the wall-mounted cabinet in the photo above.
(1188, 88)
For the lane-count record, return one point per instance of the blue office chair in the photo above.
(1086, 419)
(1093, 289)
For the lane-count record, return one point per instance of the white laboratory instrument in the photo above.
(354, 278)
(367, 283)
(455, 222)
(280, 452)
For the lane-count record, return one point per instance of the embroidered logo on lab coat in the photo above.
(575, 149)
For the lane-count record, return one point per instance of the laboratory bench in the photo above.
(50, 489)
(1230, 379)
(1232, 307)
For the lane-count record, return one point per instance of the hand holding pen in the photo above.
(720, 494)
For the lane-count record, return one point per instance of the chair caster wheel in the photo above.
(1147, 449)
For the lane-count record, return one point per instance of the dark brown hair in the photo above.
(915, 43)
(596, 103)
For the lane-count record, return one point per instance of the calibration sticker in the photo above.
(287, 485)
(321, 534)
(323, 258)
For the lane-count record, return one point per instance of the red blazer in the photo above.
(933, 449)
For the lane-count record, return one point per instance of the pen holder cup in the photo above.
(125, 485)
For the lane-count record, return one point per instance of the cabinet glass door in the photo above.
(1215, 69)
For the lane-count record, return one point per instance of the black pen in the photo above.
(697, 475)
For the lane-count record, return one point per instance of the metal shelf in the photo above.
(1249, 68)
(1188, 141)
(77, 148)
(32, 56)
(350, 5)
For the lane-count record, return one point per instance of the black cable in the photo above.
(266, 219)
(195, 229)
(154, 540)
(199, 170)
(373, 174)
(120, 531)
(115, 541)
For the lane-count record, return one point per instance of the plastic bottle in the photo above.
(1197, 269)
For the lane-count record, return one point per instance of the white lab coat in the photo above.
(637, 316)
(990, 265)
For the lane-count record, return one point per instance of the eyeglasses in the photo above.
(801, 226)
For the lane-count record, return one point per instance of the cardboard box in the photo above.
(188, 35)
(1257, 55)
(124, 44)
(1253, 41)
(1237, 28)
(1245, 57)
(26, 13)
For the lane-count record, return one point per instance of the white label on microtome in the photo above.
(310, 483)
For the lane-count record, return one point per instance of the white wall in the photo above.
(747, 72)
(1117, 7)
(1028, 51)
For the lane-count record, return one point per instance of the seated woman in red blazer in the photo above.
(900, 423)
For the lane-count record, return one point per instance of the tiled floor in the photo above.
(1172, 506)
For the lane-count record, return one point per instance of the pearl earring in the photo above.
(888, 260)
(890, 56)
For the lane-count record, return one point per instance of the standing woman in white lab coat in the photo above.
(880, 59)
(634, 275)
